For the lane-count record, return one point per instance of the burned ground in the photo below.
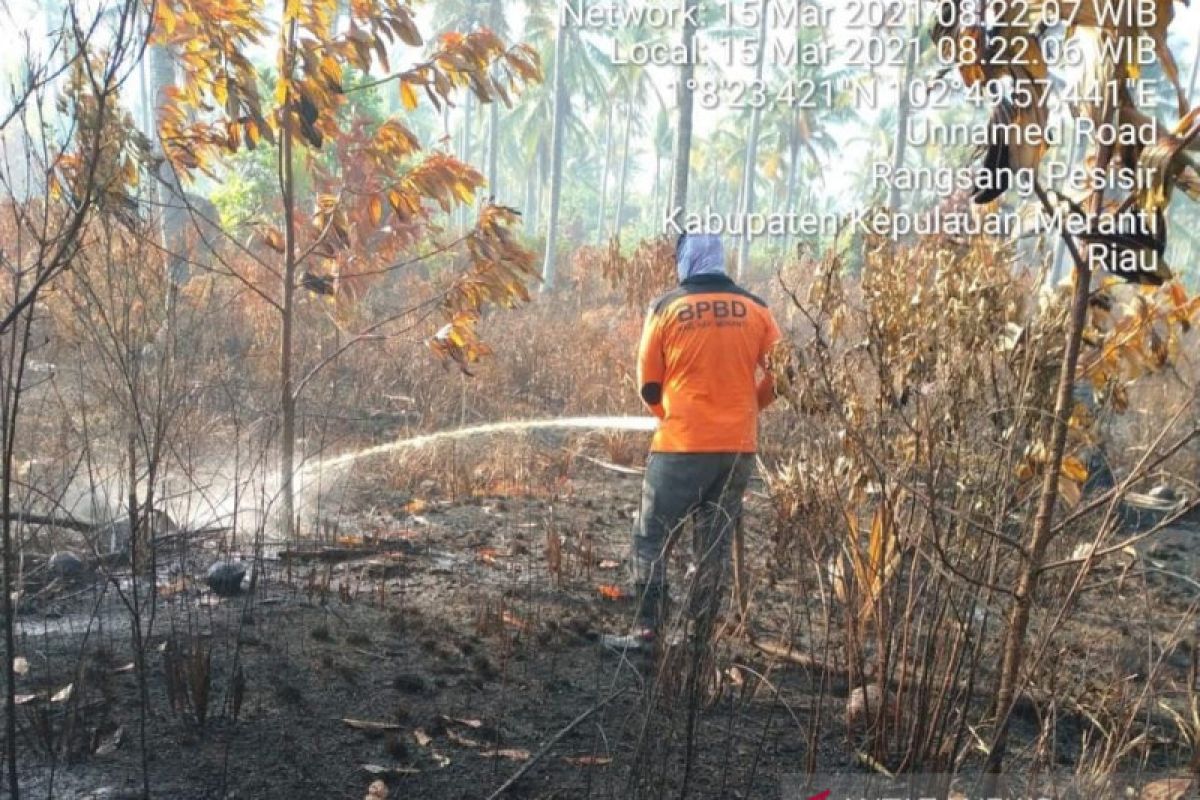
(438, 644)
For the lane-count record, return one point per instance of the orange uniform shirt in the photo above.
(701, 348)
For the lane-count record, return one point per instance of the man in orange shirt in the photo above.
(701, 371)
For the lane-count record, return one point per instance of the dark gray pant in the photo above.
(708, 486)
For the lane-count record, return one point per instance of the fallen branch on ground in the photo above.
(516, 776)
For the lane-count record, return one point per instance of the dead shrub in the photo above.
(919, 396)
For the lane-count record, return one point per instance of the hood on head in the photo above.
(699, 254)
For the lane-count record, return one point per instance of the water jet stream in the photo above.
(646, 424)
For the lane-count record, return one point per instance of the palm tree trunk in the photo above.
(793, 178)
(493, 174)
(750, 171)
(624, 164)
(608, 126)
(493, 150)
(657, 181)
(549, 265)
(539, 185)
(465, 143)
(736, 205)
(714, 186)
(530, 216)
(904, 109)
(683, 132)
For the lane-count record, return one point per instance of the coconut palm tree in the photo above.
(637, 86)
(903, 112)
(720, 163)
(660, 146)
(611, 108)
(751, 167)
(573, 70)
(684, 91)
(497, 23)
(558, 130)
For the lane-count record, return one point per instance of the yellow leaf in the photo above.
(376, 209)
(408, 95)
(166, 19)
(464, 192)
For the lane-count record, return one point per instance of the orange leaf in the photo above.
(610, 591)
(1073, 469)
(1178, 294)
(273, 239)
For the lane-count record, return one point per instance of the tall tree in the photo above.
(535, 119)
(638, 84)
(496, 23)
(392, 177)
(750, 171)
(684, 95)
(622, 181)
(660, 145)
(610, 109)
(903, 112)
(172, 207)
(549, 265)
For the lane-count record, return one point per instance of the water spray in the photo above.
(643, 424)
